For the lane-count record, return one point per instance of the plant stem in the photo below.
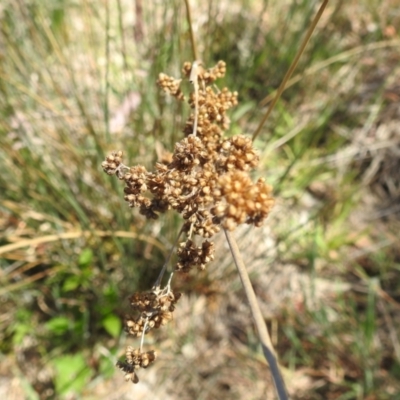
(291, 68)
(164, 268)
(263, 334)
(189, 19)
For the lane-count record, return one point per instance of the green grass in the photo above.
(66, 70)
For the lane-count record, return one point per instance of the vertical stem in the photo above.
(263, 334)
(164, 268)
(138, 28)
(189, 19)
(143, 333)
(195, 82)
(291, 68)
(107, 72)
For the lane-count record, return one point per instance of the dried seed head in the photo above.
(208, 76)
(151, 310)
(113, 164)
(200, 175)
(242, 201)
(170, 85)
(206, 179)
(135, 359)
(191, 256)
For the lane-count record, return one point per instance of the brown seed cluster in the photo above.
(208, 76)
(242, 201)
(190, 255)
(170, 85)
(206, 180)
(112, 165)
(151, 309)
(135, 359)
(212, 118)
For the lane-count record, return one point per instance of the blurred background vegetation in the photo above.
(77, 80)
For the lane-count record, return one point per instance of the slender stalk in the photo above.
(192, 40)
(291, 68)
(164, 268)
(143, 333)
(107, 74)
(331, 60)
(263, 334)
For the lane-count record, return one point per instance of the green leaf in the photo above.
(72, 373)
(58, 325)
(112, 324)
(86, 257)
(20, 331)
(71, 283)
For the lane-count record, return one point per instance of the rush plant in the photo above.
(206, 179)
